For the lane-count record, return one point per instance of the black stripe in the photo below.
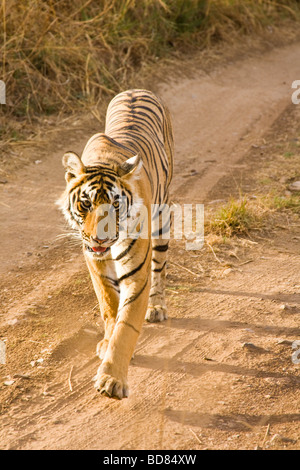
(118, 144)
(128, 324)
(162, 230)
(126, 250)
(154, 294)
(135, 270)
(114, 282)
(159, 270)
(95, 177)
(161, 248)
(135, 296)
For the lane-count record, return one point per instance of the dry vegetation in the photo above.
(245, 214)
(271, 200)
(58, 56)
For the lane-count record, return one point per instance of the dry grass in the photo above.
(246, 214)
(236, 217)
(62, 55)
(268, 199)
(57, 54)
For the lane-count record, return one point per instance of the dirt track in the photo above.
(194, 382)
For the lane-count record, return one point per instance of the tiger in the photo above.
(124, 169)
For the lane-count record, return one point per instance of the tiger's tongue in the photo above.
(100, 249)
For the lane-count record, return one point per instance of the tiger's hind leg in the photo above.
(157, 310)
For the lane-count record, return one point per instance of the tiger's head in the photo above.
(98, 199)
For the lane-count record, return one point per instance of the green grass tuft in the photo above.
(236, 217)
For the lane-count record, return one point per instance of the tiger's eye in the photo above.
(86, 204)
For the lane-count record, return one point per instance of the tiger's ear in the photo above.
(130, 166)
(73, 165)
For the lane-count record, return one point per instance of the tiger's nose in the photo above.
(99, 240)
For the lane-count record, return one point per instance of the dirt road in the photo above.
(194, 381)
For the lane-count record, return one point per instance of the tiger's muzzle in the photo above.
(99, 246)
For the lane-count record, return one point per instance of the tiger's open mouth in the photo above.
(98, 249)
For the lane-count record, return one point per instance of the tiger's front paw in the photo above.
(110, 386)
(156, 313)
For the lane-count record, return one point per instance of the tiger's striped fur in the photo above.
(131, 162)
